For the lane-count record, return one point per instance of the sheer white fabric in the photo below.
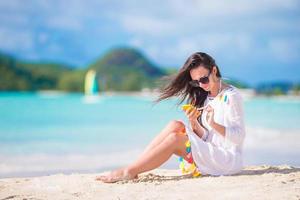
(213, 153)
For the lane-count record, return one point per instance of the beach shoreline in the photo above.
(254, 182)
(246, 93)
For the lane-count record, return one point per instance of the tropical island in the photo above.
(120, 69)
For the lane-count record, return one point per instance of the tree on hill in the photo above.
(126, 69)
(18, 75)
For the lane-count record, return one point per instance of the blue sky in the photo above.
(253, 41)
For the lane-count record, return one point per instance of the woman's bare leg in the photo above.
(171, 127)
(174, 143)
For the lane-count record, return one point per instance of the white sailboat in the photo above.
(91, 88)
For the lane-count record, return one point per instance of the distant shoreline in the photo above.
(247, 93)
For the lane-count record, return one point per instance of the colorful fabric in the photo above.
(192, 167)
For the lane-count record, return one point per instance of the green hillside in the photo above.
(18, 75)
(125, 69)
(11, 77)
(121, 69)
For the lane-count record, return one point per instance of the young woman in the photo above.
(216, 134)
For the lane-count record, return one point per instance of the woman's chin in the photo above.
(206, 89)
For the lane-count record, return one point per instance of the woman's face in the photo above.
(203, 77)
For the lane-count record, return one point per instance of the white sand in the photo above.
(254, 182)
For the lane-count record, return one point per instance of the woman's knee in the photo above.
(178, 140)
(174, 138)
(176, 126)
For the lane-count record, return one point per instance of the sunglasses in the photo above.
(203, 80)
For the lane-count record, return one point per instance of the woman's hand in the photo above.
(192, 114)
(210, 115)
(210, 120)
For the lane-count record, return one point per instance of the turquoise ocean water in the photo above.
(44, 133)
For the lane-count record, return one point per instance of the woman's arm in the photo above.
(234, 119)
(193, 115)
(197, 128)
(210, 119)
(234, 128)
(219, 128)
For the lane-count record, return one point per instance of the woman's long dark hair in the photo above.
(178, 84)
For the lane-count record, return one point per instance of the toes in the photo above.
(106, 179)
(116, 176)
(100, 178)
(110, 180)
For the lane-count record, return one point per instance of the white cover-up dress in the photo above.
(215, 154)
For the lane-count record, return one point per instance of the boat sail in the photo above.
(91, 84)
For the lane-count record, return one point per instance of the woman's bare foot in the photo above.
(115, 176)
